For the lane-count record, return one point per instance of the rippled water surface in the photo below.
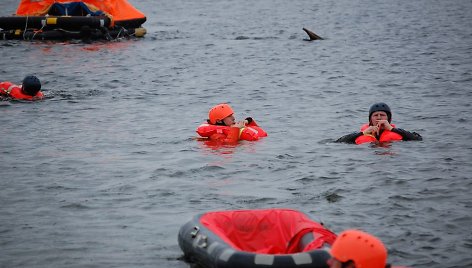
(105, 170)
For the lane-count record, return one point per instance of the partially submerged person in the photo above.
(379, 128)
(357, 249)
(30, 89)
(222, 126)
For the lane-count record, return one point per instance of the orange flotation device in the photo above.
(251, 132)
(386, 136)
(14, 91)
(120, 11)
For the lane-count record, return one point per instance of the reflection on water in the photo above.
(216, 147)
(225, 150)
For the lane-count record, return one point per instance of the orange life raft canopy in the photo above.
(119, 11)
(73, 19)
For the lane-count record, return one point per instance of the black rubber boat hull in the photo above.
(59, 34)
(52, 22)
(204, 248)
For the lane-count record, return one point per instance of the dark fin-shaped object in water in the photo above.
(312, 35)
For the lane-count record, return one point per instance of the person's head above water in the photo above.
(31, 85)
(221, 114)
(354, 248)
(379, 111)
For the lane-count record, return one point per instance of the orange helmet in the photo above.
(365, 250)
(219, 112)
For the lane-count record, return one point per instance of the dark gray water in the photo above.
(105, 170)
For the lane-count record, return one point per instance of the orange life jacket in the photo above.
(15, 92)
(251, 132)
(386, 135)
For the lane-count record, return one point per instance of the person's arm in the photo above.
(251, 122)
(407, 135)
(350, 138)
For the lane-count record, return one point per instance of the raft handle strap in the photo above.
(26, 27)
(202, 241)
(195, 231)
(44, 23)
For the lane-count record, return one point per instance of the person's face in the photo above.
(229, 120)
(377, 116)
(334, 263)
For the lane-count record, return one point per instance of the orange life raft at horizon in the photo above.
(117, 10)
(73, 19)
(386, 136)
(251, 132)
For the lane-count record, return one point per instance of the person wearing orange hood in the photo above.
(357, 249)
(222, 126)
(28, 90)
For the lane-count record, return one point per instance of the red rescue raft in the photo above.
(73, 19)
(279, 238)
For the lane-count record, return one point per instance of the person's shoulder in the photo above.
(7, 84)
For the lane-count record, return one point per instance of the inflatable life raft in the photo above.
(276, 238)
(73, 19)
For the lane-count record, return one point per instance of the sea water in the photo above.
(105, 170)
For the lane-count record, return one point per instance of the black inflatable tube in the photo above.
(52, 22)
(134, 23)
(59, 34)
(203, 247)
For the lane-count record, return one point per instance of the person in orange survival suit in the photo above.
(379, 128)
(357, 249)
(222, 126)
(30, 89)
